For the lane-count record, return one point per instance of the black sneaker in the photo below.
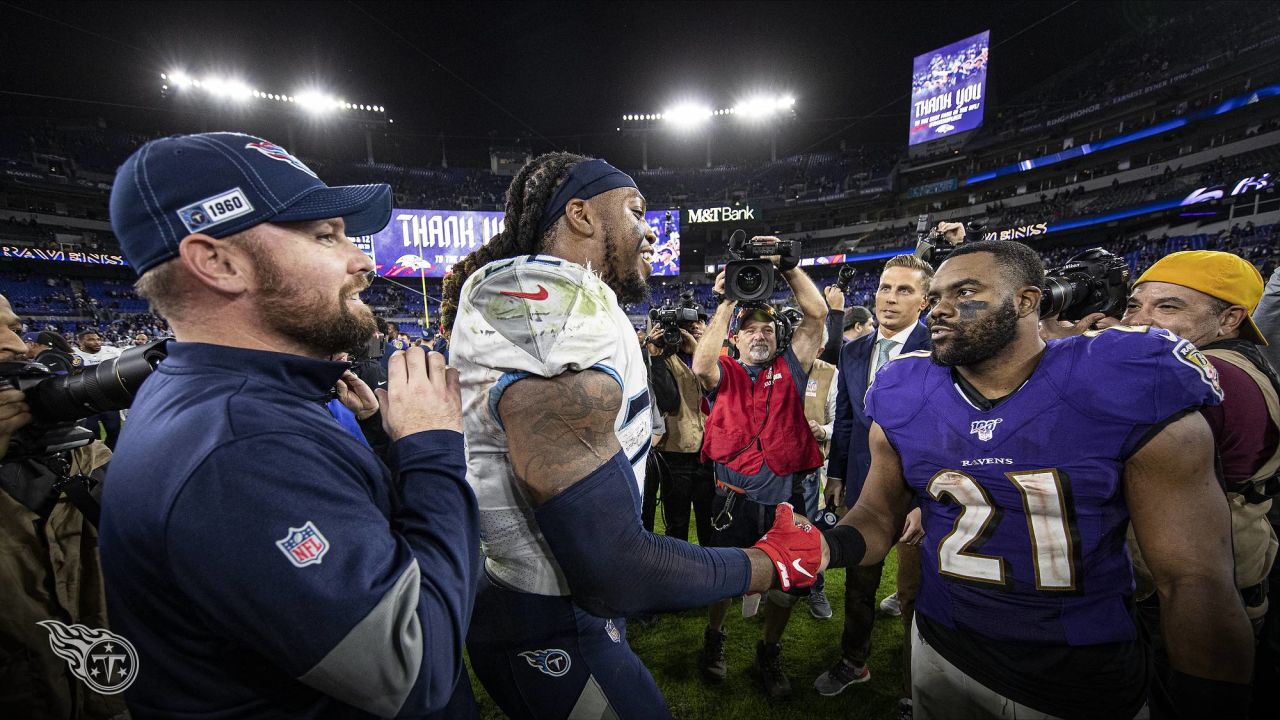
(714, 666)
(904, 709)
(769, 663)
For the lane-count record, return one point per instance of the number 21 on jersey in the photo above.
(1049, 519)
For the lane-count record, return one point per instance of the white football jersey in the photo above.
(538, 316)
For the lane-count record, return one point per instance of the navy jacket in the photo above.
(265, 563)
(850, 457)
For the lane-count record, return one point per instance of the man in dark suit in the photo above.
(900, 300)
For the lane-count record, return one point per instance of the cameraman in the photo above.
(684, 479)
(759, 439)
(49, 569)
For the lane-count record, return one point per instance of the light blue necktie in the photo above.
(886, 345)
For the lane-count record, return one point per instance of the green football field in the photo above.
(670, 649)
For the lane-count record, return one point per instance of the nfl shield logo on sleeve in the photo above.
(304, 546)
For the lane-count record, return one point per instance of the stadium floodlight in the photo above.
(235, 90)
(760, 107)
(688, 115)
(315, 102)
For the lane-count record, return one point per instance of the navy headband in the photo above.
(586, 180)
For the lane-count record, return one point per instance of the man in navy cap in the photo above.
(260, 558)
(53, 351)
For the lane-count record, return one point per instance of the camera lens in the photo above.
(1057, 296)
(107, 386)
(749, 279)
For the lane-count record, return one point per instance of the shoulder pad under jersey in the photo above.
(536, 314)
(1140, 374)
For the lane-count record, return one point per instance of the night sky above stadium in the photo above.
(557, 73)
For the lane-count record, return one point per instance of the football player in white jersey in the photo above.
(556, 415)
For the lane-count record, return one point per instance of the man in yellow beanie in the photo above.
(1207, 297)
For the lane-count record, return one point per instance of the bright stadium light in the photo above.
(687, 115)
(224, 88)
(315, 102)
(760, 106)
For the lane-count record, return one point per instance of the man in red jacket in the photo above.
(758, 439)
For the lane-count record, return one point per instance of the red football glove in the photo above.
(796, 552)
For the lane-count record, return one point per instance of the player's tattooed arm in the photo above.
(1183, 527)
(560, 429)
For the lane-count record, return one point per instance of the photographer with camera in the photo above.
(684, 479)
(263, 561)
(50, 571)
(1206, 297)
(757, 435)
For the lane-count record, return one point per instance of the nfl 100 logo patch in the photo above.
(984, 429)
(304, 545)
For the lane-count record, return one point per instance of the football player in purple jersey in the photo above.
(1030, 460)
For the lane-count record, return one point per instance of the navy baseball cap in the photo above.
(223, 183)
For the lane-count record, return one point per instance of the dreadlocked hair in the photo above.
(527, 198)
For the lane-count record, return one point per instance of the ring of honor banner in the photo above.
(948, 87)
(427, 243)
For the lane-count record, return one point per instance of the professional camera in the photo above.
(670, 317)
(1091, 282)
(58, 401)
(845, 278)
(929, 244)
(749, 278)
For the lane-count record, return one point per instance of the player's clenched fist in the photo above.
(422, 394)
(795, 547)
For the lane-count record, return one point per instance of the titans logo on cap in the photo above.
(275, 152)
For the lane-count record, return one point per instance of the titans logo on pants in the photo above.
(552, 662)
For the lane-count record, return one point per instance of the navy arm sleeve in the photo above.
(615, 568)
(838, 461)
(835, 337)
(360, 587)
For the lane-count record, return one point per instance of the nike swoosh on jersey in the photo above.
(540, 295)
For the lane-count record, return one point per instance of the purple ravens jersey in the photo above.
(1023, 505)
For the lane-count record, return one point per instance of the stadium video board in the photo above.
(948, 87)
(427, 243)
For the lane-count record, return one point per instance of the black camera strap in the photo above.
(77, 489)
(37, 486)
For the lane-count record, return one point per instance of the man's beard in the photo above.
(979, 340)
(306, 316)
(631, 287)
(761, 357)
